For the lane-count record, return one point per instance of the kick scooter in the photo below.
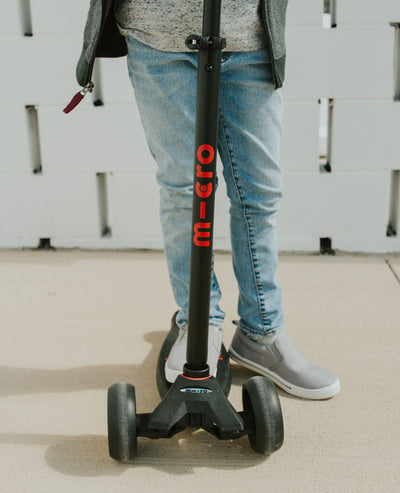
(196, 398)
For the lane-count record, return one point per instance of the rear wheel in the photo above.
(262, 415)
(121, 414)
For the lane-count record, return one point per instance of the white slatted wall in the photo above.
(62, 179)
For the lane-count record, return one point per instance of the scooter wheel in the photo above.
(121, 414)
(262, 415)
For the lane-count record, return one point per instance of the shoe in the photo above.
(177, 356)
(277, 358)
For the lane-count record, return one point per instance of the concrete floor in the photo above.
(73, 323)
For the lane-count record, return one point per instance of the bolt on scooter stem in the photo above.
(209, 45)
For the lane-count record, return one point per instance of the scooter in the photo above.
(196, 398)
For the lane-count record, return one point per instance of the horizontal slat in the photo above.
(38, 69)
(49, 16)
(338, 205)
(366, 135)
(304, 13)
(368, 12)
(350, 62)
(93, 139)
(39, 206)
(300, 148)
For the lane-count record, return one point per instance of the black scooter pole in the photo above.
(209, 45)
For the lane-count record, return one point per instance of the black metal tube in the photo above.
(206, 141)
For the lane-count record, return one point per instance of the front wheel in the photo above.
(262, 415)
(121, 417)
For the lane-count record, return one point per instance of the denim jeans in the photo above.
(249, 135)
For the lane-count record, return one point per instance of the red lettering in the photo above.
(202, 210)
(203, 191)
(207, 148)
(203, 174)
(201, 234)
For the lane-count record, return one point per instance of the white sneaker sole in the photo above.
(215, 342)
(317, 394)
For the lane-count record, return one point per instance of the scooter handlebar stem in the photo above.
(209, 46)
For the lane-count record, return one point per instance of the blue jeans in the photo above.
(250, 132)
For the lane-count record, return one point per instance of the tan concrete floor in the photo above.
(73, 323)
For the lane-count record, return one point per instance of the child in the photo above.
(163, 73)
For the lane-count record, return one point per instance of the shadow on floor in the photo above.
(17, 381)
(87, 455)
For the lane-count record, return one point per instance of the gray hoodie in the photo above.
(103, 39)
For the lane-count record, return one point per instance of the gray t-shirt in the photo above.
(165, 24)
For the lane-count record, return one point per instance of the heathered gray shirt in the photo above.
(165, 24)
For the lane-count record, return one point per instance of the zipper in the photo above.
(77, 98)
(269, 39)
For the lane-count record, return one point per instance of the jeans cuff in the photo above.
(257, 334)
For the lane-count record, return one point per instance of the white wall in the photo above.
(354, 65)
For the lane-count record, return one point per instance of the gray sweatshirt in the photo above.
(165, 24)
(103, 39)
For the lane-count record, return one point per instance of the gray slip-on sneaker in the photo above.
(277, 358)
(177, 356)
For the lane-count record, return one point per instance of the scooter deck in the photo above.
(223, 369)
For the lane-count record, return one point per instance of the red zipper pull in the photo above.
(78, 97)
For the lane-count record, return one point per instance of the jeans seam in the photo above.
(261, 302)
(256, 270)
